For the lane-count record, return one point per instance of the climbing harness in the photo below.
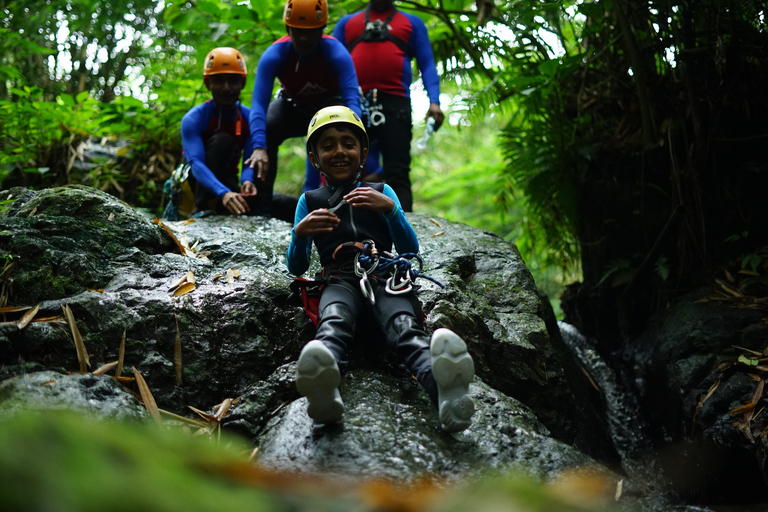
(368, 260)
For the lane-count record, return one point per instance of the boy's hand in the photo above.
(317, 221)
(248, 189)
(235, 203)
(366, 197)
(259, 162)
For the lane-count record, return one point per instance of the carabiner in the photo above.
(377, 117)
(367, 289)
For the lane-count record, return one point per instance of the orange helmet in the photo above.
(306, 13)
(224, 60)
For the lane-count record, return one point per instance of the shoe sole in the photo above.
(453, 370)
(318, 379)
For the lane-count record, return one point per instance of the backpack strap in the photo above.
(384, 30)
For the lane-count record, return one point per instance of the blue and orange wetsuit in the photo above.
(214, 143)
(308, 83)
(383, 64)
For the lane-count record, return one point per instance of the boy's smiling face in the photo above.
(338, 153)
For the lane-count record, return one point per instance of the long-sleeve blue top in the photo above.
(199, 123)
(309, 80)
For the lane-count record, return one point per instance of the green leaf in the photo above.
(745, 360)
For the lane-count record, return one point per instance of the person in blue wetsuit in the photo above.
(342, 219)
(382, 41)
(314, 71)
(215, 135)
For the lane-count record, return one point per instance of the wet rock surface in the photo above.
(240, 338)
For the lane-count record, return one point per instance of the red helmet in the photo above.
(306, 13)
(224, 60)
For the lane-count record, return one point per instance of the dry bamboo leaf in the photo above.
(14, 309)
(146, 397)
(34, 211)
(82, 353)
(28, 316)
(120, 357)
(190, 277)
(97, 290)
(435, 222)
(180, 247)
(223, 409)
(439, 233)
(49, 383)
(594, 385)
(748, 350)
(742, 409)
(196, 423)
(232, 274)
(211, 418)
(184, 289)
(125, 380)
(101, 370)
(619, 490)
(50, 320)
(216, 277)
(728, 289)
(180, 282)
(177, 352)
(111, 217)
(252, 456)
(758, 392)
(729, 277)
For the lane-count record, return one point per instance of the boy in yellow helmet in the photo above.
(348, 221)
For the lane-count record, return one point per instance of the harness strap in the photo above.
(403, 45)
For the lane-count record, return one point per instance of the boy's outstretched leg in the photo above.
(453, 370)
(318, 379)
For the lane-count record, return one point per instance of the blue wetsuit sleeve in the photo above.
(425, 59)
(300, 249)
(266, 72)
(193, 124)
(342, 63)
(401, 230)
(340, 29)
(247, 172)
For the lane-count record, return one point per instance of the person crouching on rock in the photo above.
(351, 224)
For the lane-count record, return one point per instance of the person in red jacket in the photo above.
(382, 41)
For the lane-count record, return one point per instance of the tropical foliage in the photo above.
(595, 135)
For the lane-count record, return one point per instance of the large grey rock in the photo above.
(239, 339)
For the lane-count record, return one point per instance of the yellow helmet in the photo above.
(333, 115)
(306, 13)
(224, 60)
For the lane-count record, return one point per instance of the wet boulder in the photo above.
(202, 311)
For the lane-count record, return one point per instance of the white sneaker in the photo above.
(453, 370)
(318, 379)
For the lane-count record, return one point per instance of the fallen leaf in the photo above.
(146, 396)
(223, 409)
(101, 370)
(82, 353)
(439, 233)
(232, 274)
(210, 417)
(177, 352)
(97, 290)
(216, 277)
(196, 423)
(184, 289)
(49, 383)
(34, 210)
(190, 277)
(180, 247)
(742, 409)
(435, 222)
(120, 357)
(111, 216)
(28, 316)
